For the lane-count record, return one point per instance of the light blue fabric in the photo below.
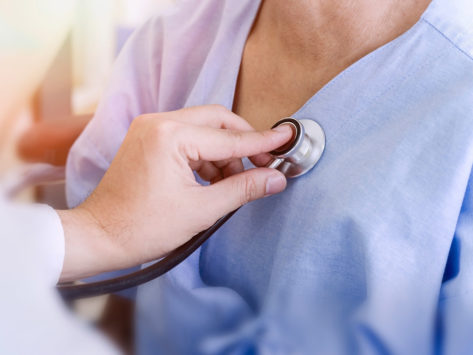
(371, 252)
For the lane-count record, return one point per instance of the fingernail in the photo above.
(275, 184)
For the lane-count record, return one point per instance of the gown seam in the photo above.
(454, 44)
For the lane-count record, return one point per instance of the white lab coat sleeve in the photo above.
(34, 320)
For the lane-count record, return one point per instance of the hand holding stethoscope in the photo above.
(149, 203)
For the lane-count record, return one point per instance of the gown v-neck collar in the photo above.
(338, 86)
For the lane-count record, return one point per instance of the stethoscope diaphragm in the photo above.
(303, 151)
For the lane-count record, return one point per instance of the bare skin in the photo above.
(296, 47)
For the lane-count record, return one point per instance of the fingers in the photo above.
(216, 171)
(234, 166)
(261, 160)
(237, 190)
(215, 116)
(204, 143)
(214, 133)
(208, 171)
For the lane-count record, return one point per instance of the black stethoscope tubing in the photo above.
(174, 258)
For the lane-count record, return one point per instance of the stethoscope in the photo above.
(293, 159)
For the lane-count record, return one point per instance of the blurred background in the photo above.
(55, 56)
(55, 59)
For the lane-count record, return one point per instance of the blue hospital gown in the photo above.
(371, 252)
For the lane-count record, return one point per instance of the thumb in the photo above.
(233, 192)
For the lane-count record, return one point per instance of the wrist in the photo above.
(89, 249)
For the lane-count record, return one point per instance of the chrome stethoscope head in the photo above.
(303, 151)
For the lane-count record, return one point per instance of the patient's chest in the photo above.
(378, 191)
(269, 87)
(380, 205)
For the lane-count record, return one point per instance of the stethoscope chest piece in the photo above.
(303, 151)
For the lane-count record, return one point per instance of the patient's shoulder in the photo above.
(200, 20)
(172, 49)
(454, 20)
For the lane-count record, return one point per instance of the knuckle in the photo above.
(219, 108)
(250, 189)
(163, 128)
(139, 121)
(146, 121)
(237, 138)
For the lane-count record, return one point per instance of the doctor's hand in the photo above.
(149, 202)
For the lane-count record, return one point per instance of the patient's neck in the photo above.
(343, 29)
(297, 46)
